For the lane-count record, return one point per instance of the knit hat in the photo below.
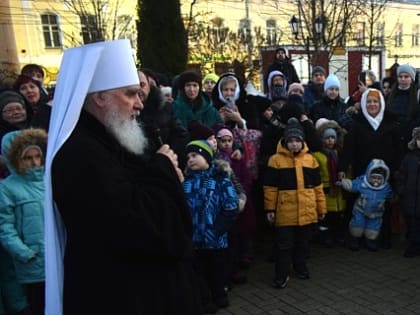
(211, 76)
(406, 68)
(224, 132)
(188, 76)
(416, 135)
(329, 132)
(293, 129)
(201, 147)
(320, 122)
(198, 131)
(318, 69)
(9, 96)
(296, 86)
(331, 81)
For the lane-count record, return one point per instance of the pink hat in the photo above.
(224, 132)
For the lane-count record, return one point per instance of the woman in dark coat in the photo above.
(245, 104)
(373, 134)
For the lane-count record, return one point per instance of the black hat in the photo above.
(198, 131)
(293, 130)
(188, 76)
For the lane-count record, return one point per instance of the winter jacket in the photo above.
(246, 103)
(213, 204)
(405, 106)
(408, 183)
(286, 67)
(201, 110)
(293, 188)
(363, 143)
(22, 215)
(332, 110)
(333, 194)
(371, 199)
(312, 93)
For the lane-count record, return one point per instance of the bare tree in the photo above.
(325, 24)
(372, 12)
(101, 20)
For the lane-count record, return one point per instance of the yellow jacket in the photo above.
(334, 195)
(293, 188)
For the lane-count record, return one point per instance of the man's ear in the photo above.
(100, 98)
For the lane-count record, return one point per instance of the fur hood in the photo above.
(332, 124)
(14, 143)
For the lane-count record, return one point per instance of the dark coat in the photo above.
(331, 110)
(42, 117)
(129, 246)
(247, 104)
(161, 125)
(408, 184)
(363, 143)
(286, 67)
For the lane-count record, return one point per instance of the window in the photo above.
(398, 37)
(380, 34)
(90, 31)
(51, 30)
(415, 35)
(244, 30)
(271, 26)
(359, 35)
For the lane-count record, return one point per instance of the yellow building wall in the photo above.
(21, 28)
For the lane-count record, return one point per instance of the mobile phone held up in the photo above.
(230, 103)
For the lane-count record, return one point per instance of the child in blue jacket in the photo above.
(213, 203)
(369, 207)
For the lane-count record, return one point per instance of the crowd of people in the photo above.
(130, 191)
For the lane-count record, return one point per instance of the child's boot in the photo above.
(354, 243)
(372, 245)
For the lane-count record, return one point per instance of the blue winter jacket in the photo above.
(22, 219)
(213, 203)
(371, 201)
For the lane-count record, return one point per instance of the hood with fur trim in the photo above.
(332, 124)
(374, 165)
(14, 143)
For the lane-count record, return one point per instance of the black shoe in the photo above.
(210, 308)
(372, 245)
(304, 275)
(222, 302)
(281, 284)
(412, 251)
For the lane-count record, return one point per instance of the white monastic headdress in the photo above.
(90, 68)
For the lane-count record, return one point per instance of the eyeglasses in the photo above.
(11, 110)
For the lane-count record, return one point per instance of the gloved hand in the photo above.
(345, 183)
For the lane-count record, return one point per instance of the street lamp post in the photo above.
(318, 27)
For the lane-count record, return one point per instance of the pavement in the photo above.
(342, 282)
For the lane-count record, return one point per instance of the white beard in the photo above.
(126, 130)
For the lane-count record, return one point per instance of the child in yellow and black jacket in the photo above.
(293, 200)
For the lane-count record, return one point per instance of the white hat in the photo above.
(115, 66)
(90, 68)
(331, 81)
